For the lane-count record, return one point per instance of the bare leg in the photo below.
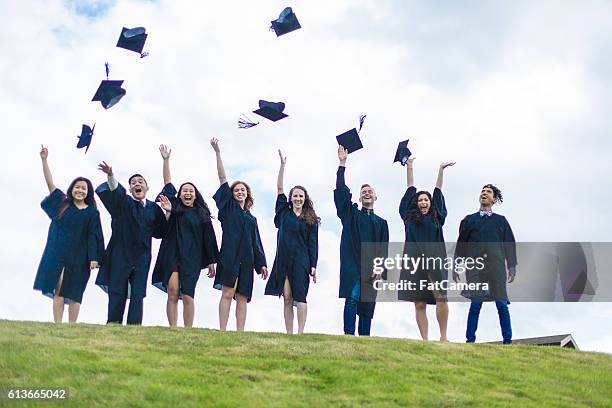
(288, 307)
(58, 301)
(241, 311)
(420, 309)
(301, 314)
(173, 297)
(188, 310)
(227, 294)
(442, 315)
(73, 311)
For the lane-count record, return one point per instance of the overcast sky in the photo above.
(517, 93)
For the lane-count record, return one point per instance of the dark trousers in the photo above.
(116, 308)
(116, 301)
(504, 320)
(350, 315)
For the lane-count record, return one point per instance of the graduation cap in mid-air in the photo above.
(133, 39)
(85, 138)
(286, 22)
(270, 110)
(350, 139)
(109, 92)
(402, 153)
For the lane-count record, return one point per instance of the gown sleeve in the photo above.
(342, 195)
(509, 245)
(210, 251)
(313, 245)
(406, 201)
(464, 234)
(112, 199)
(258, 251)
(95, 239)
(161, 224)
(52, 203)
(223, 198)
(439, 205)
(280, 209)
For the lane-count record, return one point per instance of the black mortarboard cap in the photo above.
(109, 93)
(286, 22)
(132, 39)
(86, 136)
(350, 139)
(271, 110)
(402, 153)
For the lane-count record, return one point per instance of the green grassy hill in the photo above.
(154, 366)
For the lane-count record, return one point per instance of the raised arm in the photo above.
(342, 155)
(165, 154)
(44, 153)
(410, 172)
(440, 179)
(281, 173)
(214, 142)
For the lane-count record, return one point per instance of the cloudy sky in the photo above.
(518, 93)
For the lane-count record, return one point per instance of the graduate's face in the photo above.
(297, 198)
(79, 191)
(138, 188)
(487, 197)
(187, 195)
(424, 203)
(367, 196)
(239, 192)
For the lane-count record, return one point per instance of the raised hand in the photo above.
(283, 160)
(446, 164)
(44, 153)
(214, 142)
(165, 152)
(105, 168)
(342, 154)
(410, 160)
(165, 203)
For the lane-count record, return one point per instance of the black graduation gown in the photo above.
(129, 247)
(241, 248)
(189, 246)
(358, 226)
(424, 239)
(72, 243)
(490, 235)
(297, 250)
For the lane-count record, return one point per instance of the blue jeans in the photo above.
(350, 315)
(504, 320)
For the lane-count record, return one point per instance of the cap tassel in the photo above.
(107, 69)
(244, 122)
(361, 120)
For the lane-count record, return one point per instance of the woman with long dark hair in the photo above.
(297, 250)
(424, 215)
(74, 243)
(188, 247)
(241, 248)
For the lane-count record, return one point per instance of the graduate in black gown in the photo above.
(74, 243)
(188, 247)
(358, 226)
(125, 268)
(241, 249)
(488, 236)
(424, 216)
(297, 250)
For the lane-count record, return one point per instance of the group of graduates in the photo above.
(183, 221)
